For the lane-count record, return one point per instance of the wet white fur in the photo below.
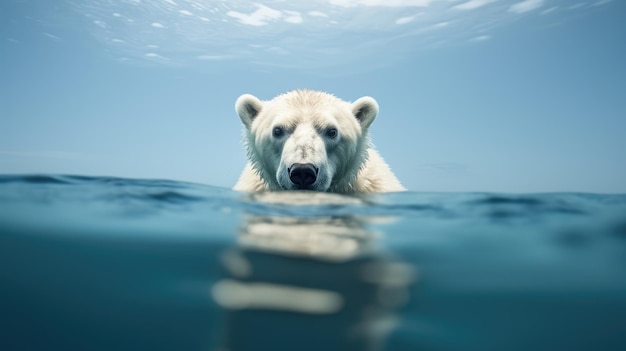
(347, 163)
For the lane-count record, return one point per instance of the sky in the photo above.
(511, 96)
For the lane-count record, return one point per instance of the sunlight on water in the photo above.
(236, 295)
(296, 34)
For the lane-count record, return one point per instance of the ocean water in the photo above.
(120, 264)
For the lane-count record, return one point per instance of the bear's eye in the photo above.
(331, 133)
(277, 132)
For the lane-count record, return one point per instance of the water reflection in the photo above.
(297, 282)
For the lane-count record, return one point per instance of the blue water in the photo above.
(120, 264)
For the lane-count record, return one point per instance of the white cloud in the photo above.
(157, 25)
(472, 4)
(602, 2)
(293, 17)
(155, 56)
(277, 50)
(577, 6)
(53, 37)
(185, 12)
(260, 17)
(526, 6)
(100, 24)
(481, 38)
(404, 20)
(317, 14)
(551, 9)
(212, 57)
(382, 3)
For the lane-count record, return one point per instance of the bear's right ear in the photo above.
(365, 110)
(248, 108)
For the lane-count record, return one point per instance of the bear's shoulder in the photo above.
(250, 180)
(376, 176)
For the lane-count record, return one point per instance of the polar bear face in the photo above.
(306, 139)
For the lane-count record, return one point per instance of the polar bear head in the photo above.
(306, 139)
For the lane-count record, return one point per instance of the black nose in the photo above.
(302, 174)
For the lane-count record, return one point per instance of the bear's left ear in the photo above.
(248, 108)
(365, 110)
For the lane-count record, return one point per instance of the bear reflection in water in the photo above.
(308, 283)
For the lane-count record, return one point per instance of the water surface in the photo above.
(119, 264)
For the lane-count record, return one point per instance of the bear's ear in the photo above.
(365, 110)
(248, 108)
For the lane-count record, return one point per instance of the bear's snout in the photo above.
(302, 175)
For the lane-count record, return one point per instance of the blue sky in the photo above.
(478, 95)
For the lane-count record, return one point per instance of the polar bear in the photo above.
(311, 140)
